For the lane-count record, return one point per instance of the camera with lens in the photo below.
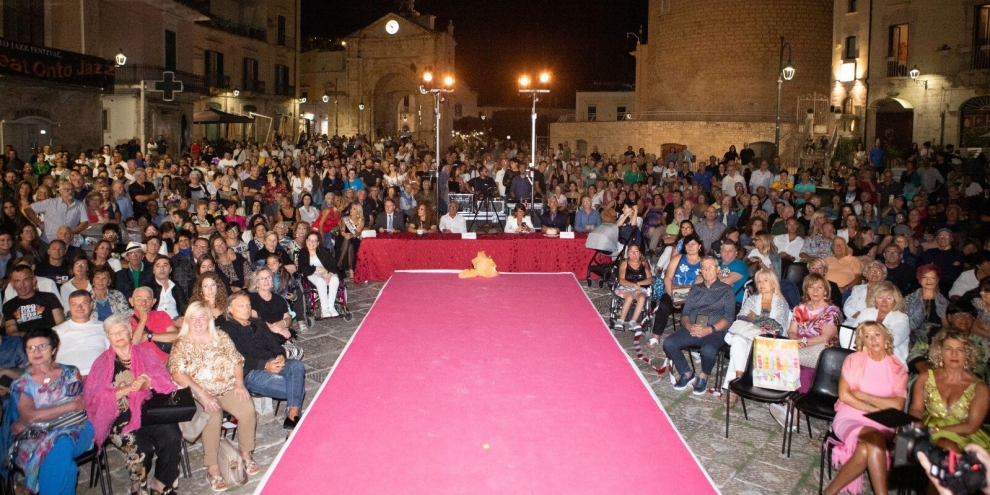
(959, 473)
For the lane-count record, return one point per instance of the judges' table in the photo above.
(381, 256)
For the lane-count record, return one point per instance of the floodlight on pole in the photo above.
(524, 89)
(428, 88)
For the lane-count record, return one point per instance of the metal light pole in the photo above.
(360, 117)
(784, 72)
(428, 88)
(524, 89)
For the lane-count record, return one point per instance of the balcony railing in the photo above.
(238, 29)
(981, 54)
(134, 74)
(896, 69)
(217, 81)
(255, 86)
(285, 90)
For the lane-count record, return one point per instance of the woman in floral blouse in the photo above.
(206, 361)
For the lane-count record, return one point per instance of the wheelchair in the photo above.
(307, 301)
(615, 307)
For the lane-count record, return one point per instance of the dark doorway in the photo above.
(895, 125)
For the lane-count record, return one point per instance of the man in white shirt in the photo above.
(226, 161)
(762, 177)
(82, 336)
(789, 245)
(730, 180)
(452, 223)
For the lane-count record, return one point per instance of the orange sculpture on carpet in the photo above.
(483, 265)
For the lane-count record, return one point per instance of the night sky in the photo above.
(583, 42)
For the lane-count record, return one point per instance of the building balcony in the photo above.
(255, 86)
(981, 54)
(226, 26)
(217, 81)
(134, 74)
(285, 90)
(896, 69)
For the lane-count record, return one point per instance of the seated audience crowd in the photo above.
(129, 274)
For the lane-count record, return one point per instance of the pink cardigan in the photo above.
(854, 368)
(101, 396)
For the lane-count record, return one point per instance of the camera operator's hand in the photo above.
(976, 450)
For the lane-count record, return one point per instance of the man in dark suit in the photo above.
(390, 220)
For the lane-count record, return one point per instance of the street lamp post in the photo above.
(784, 72)
(360, 116)
(429, 87)
(533, 92)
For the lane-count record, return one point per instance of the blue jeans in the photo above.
(289, 384)
(12, 353)
(58, 472)
(709, 344)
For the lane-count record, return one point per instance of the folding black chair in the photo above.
(744, 388)
(819, 401)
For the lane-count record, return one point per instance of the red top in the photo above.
(329, 222)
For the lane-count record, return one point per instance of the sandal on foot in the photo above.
(733, 398)
(251, 467)
(216, 482)
(653, 342)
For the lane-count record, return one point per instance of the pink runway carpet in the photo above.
(504, 385)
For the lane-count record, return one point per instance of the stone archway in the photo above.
(394, 105)
(895, 123)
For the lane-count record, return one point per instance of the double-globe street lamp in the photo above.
(784, 73)
(526, 87)
(430, 86)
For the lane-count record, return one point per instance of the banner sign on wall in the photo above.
(56, 66)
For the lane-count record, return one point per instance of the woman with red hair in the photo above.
(926, 306)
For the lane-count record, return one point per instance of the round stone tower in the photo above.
(721, 57)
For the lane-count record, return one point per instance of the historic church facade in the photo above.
(369, 81)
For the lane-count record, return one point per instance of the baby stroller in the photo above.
(604, 264)
(307, 304)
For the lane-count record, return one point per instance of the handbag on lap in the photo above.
(176, 407)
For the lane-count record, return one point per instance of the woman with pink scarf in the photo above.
(864, 441)
(119, 383)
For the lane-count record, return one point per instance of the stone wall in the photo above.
(722, 56)
(75, 115)
(702, 138)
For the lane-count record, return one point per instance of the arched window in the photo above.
(974, 122)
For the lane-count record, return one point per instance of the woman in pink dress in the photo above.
(864, 442)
